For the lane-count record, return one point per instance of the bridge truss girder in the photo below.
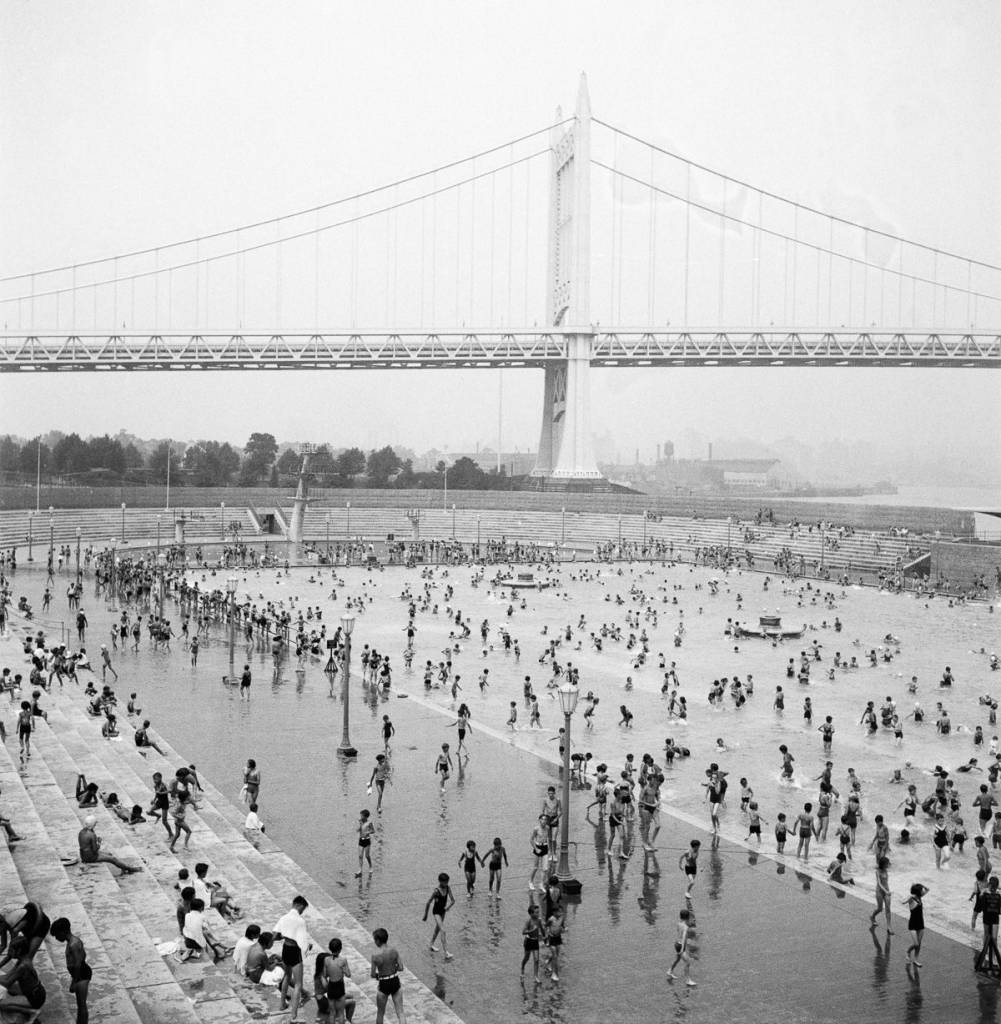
(464, 349)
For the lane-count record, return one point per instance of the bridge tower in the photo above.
(301, 496)
(565, 452)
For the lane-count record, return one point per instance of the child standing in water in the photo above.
(467, 861)
(498, 859)
(681, 949)
(439, 903)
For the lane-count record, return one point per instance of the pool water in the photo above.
(772, 941)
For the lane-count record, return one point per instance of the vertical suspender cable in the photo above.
(900, 288)
(434, 248)
(493, 213)
(355, 242)
(722, 255)
(388, 279)
(396, 253)
(934, 293)
(615, 187)
(830, 271)
(472, 247)
(969, 290)
(865, 278)
(688, 234)
(278, 278)
(528, 222)
(652, 254)
(458, 251)
(424, 207)
(198, 286)
(510, 231)
(316, 275)
(795, 259)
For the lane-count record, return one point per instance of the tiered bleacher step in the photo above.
(123, 920)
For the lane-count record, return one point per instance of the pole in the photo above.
(821, 547)
(347, 532)
(729, 524)
(113, 583)
(345, 749)
(328, 537)
(222, 521)
(644, 527)
(444, 496)
(38, 477)
(167, 503)
(30, 558)
(232, 622)
(453, 521)
(477, 534)
(563, 525)
(51, 538)
(620, 535)
(78, 552)
(568, 884)
(123, 522)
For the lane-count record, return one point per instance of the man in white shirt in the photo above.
(295, 945)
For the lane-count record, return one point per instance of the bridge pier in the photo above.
(565, 451)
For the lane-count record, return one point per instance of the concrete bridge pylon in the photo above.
(565, 450)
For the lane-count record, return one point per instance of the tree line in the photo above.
(70, 459)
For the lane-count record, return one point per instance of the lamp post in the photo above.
(563, 525)
(821, 547)
(453, 520)
(345, 749)
(478, 534)
(30, 558)
(328, 537)
(161, 565)
(167, 502)
(52, 526)
(231, 585)
(123, 522)
(729, 526)
(620, 535)
(222, 521)
(347, 532)
(568, 704)
(113, 582)
(444, 492)
(644, 527)
(78, 552)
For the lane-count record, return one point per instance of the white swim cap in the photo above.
(90, 821)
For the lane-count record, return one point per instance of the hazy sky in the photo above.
(133, 124)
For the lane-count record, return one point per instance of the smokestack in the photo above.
(710, 451)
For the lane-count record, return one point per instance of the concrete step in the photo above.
(262, 877)
(193, 991)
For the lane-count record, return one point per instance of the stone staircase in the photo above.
(122, 920)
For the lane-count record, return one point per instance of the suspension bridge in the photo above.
(573, 246)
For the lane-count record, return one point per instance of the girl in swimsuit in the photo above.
(439, 903)
(467, 861)
(915, 922)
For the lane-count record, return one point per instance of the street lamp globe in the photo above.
(231, 585)
(347, 624)
(568, 698)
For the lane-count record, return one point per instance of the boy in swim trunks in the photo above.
(532, 933)
(386, 968)
(365, 832)
(441, 900)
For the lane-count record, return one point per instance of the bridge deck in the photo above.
(487, 349)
